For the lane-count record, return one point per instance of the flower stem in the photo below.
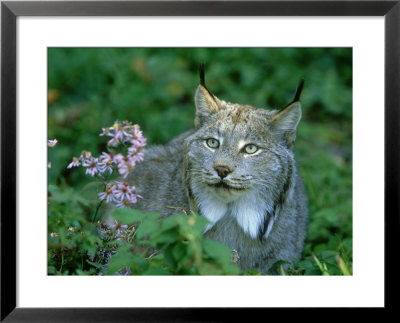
(94, 218)
(62, 261)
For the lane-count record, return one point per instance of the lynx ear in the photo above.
(284, 122)
(206, 102)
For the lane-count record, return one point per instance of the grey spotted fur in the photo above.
(259, 209)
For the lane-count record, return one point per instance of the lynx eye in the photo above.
(250, 149)
(212, 143)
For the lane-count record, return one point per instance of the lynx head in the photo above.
(239, 152)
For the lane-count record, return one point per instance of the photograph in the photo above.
(200, 161)
(197, 154)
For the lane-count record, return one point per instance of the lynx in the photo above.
(237, 169)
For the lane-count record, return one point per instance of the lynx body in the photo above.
(237, 169)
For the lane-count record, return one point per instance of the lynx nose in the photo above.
(223, 171)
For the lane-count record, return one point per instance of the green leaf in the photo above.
(91, 185)
(192, 226)
(91, 229)
(91, 249)
(322, 266)
(139, 264)
(170, 222)
(94, 264)
(146, 228)
(153, 216)
(123, 258)
(252, 272)
(179, 251)
(209, 269)
(53, 188)
(127, 216)
(159, 239)
(80, 272)
(217, 251)
(278, 266)
(156, 272)
(199, 224)
(169, 258)
(329, 256)
(343, 267)
(221, 255)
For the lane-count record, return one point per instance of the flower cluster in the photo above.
(131, 139)
(125, 133)
(120, 193)
(122, 134)
(110, 233)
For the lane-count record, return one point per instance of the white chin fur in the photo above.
(211, 208)
(249, 211)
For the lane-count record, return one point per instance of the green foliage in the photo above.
(90, 88)
(172, 245)
(70, 235)
(155, 245)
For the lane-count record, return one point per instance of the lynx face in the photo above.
(239, 161)
(230, 158)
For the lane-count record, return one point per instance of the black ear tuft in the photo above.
(202, 80)
(298, 91)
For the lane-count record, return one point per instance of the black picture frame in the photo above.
(10, 10)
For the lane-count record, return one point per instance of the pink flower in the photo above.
(106, 157)
(118, 132)
(131, 161)
(138, 157)
(86, 155)
(108, 195)
(118, 158)
(132, 150)
(106, 131)
(120, 229)
(123, 204)
(124, 168)
(124, 132)
(113, 142)
(137, 142)
(105, 166)
(52, 143)
(93, 167)
(123, 191)
(74, 163)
